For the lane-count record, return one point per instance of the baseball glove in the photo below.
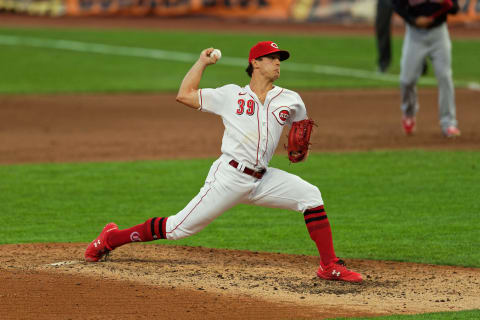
(299, 140)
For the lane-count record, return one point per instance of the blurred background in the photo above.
(337, 11)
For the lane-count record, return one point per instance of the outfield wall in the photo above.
(333, 11)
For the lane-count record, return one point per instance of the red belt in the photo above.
(250, 172)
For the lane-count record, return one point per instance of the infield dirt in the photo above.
(51, 281)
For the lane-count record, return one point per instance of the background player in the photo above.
(427, 34)
(383, 35)
(254, 117)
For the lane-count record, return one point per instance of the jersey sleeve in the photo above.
(299, 111)
(212, 100)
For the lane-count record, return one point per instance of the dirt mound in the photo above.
(173, 282)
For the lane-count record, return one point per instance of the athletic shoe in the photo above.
(451, 132)
(408, 124)
(99, 247)
(338, 271)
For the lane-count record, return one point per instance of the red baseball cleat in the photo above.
(408, 124)
(99, 247)
(338, 271)
(452, 132)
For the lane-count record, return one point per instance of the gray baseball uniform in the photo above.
(431, 41)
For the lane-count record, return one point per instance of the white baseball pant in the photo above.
(226, 187)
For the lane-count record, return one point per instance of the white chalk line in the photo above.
(64, 263)
(190, 58)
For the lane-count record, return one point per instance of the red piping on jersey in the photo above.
(201, 98)
(268, 107)
(258, 144)
(197, 202)
(258, 123)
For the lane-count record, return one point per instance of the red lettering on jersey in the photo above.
(281, 114)
(241, 104)
(250, 107)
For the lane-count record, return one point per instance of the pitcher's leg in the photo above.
(111, 237)
(211, 202)
(320, 232)
(280, 189)
(213, 199)
(442, 63)
(208, 204)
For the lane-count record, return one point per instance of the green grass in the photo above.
(404, 206)
(461, 315)
(43, 70)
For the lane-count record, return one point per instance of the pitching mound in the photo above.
(141, 281)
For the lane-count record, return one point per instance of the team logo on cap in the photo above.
(282, 114)
(273, 44)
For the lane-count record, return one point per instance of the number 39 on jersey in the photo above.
(246, 106)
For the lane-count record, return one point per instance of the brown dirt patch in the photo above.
(144, 281)
(71, 128)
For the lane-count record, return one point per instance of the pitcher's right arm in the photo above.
(188, 92)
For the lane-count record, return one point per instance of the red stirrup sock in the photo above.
(319, 228)
(150, 230)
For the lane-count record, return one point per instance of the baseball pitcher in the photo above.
(254, 117)
(426, 34)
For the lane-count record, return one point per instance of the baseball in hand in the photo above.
(216, 53)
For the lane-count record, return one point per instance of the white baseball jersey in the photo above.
(252, 129)
(252, 132)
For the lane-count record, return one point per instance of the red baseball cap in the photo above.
(266, 47)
